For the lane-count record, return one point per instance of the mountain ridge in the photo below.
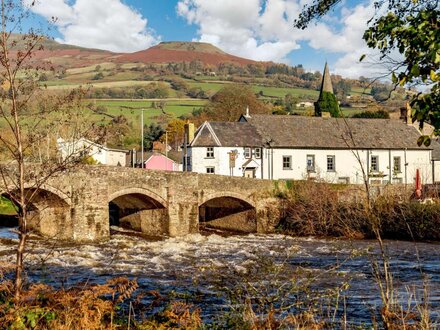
(71, 56)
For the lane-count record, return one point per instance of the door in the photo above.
(249, 173)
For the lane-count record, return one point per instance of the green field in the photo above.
(91, 68)
(270, 92)
(360, 91)
(131, 109)
(6, 206)
(98, 84)
(279, 92)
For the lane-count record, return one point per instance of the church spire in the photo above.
(326, 85)
(327, 105)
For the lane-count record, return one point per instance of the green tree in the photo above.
(381, 92)
(412, 28)
(290, 102)
(43, 77)
(152, 133)
(98, 76)
(327, 103)
(342, 88)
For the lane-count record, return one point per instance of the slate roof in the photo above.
(229, 134)
(309, 133)
(334, 133)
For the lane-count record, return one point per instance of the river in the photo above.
(210, 269)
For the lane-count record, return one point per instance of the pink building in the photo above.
(158, 161)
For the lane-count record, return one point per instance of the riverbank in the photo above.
(319, 209)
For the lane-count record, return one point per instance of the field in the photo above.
(268, 92)
(131, 109)
(98, 84)
(360, 91)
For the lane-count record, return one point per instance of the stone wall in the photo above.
(81, 210)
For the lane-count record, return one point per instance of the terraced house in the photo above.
(335, 150)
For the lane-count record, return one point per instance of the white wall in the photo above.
(437, 170)
(100, 154)
(115, 158)
(107, 156)
(220, 162)
(347, 166)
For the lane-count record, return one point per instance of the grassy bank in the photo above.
(6, 207)
(317, 209)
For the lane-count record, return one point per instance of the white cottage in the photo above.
(101, 154)
(335, 150)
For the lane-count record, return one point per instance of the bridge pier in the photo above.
(183, 219)
(52, 222)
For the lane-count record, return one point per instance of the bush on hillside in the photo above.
(379, 114)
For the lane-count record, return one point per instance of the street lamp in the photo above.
(142, 138)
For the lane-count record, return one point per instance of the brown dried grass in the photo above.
(86, 307)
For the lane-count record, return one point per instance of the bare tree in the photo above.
(31, 120)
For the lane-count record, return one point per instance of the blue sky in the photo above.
(256, 29)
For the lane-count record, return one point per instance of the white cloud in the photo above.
(103, 24)
(245, 29)
(263, 30)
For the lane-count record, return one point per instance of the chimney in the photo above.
(189, 132)
(247, 115)
(405, 114)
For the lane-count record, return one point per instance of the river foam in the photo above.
(193, 263)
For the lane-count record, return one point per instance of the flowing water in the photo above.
(191, 266)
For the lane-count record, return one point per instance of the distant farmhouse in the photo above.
(336, 150)
(99, 153)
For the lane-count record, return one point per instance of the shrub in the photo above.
(312, 208)
(380, 114)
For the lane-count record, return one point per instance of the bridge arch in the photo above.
(49, 210)
(207, 197)
(138, 191)
(139, 209)
(227, 211)
(45, 190)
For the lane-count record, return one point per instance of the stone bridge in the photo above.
(83, 203)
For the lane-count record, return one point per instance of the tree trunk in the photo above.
(19, 262)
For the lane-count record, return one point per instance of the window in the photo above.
(310, 163)
(188, 161)
(210, 152)
(287, 162)
(331, 163)
(374, 164)
(397, 180)
(397, 167)
(257, 153)
(210, 170)
(247, 152)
